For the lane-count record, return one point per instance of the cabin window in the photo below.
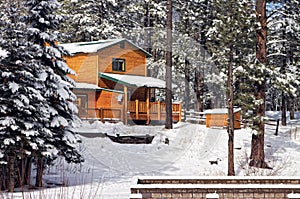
(118, 64)
(82, 102)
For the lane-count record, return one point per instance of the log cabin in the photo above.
(112, 82)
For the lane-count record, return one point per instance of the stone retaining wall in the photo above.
(227, 187)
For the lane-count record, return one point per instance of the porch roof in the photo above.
(87, 86)
(134, 80)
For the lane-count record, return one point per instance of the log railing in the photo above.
(155, 108)
(155, 111)
(102, 114)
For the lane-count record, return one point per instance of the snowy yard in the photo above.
(110, 167)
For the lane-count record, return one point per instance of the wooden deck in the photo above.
(137, 111)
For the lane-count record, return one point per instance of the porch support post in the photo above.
(158, 110)
(180, 110)
(148, 105)
(125, 109)
(136, 109)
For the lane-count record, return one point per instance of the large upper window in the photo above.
(118, 64)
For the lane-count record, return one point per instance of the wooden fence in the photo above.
(137, 110)
(194, 117)
(103, 114)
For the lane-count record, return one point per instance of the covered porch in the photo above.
(128, 98)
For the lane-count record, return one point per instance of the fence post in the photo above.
(277, 125)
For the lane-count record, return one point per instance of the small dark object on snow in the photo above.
(213, 162)
(167, 141)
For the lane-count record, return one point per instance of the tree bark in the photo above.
(257, 157)
(28, 164)
(283, 109)
(292, 107)
(168, 124)
(199, 90)
(11, 173)
(230, 128)
(187, 87)
(39, 172)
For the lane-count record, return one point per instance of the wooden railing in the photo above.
(102, 114)
(137, 110)
(194, 117)
(156, 110)
(155, 107)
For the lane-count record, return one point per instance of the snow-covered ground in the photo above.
(110, 167)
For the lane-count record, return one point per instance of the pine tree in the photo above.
(283, 42)
(230, 43)
(89, 20)
(168, 124)
(21, 104)
(60, 99)
(259, 86)
(36, 105)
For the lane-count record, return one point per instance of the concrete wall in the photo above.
(227, 187)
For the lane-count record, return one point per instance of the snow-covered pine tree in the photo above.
(62, 113)
(192, 19)
(37, 112)
(231, 41)
(186, 51)
(282, 54)
(89, 20)
(21, 104)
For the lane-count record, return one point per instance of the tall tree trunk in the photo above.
(187, 87)
(230, 129)
(39, 172)
(27, 175)
(292, 107)
(283, 109)
(147, 28)
(11, 173)
(168, 124)
(199, 90)
(283, 69)
(257, 146)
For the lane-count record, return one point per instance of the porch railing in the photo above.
(137, 110)
(102, 114)
(156, 110)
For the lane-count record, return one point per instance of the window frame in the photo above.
(118, 68)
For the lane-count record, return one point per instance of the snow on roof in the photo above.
(134, 80)
(95, 46)
(87, 86)
(80, 85)
(220, 111)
